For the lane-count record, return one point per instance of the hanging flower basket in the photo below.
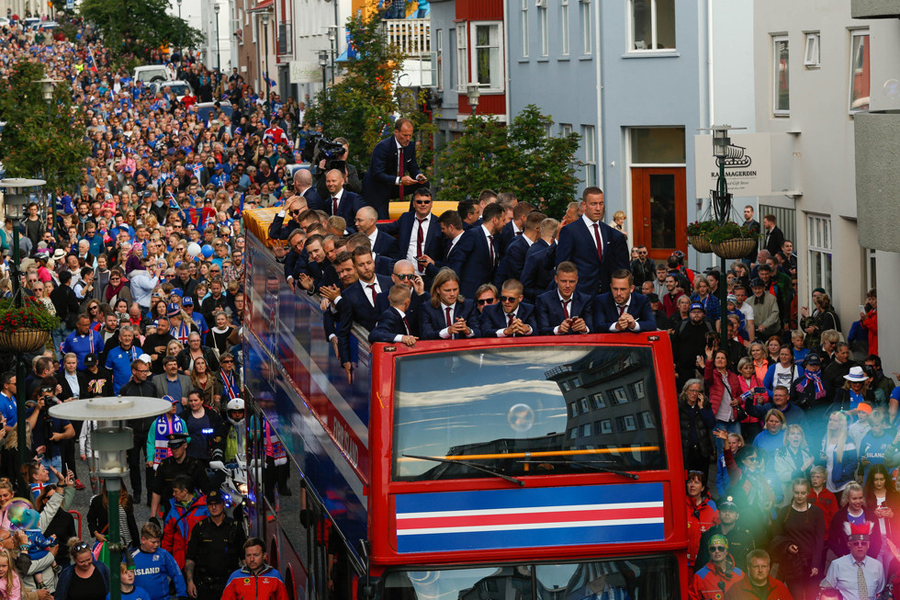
(734, 248)
(23, 340)
(700, 243)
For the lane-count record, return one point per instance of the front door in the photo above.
(659, 200)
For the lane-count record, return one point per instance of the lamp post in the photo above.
(179, 9)
(721, 205)
(265, 21)
(17, 193)
(48, 86)
(218, 58)
(111, 440)
(473, 92)
(332, 37)
(323, 62)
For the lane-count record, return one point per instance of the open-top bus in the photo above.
(516, 468)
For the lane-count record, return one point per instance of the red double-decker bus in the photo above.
(513, 468)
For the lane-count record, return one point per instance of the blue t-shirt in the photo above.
(8, 408)
(119, 362)
(82, 345)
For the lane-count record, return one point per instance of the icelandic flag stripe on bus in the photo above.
(530, 517)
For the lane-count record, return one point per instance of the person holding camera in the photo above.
(48, 433)
(339, 161)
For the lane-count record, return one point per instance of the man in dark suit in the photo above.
(393, 169)
(516, 225)
(393, 327)
(452, 230)
(753, 225)
(537, 272)
(319, 270)
(383, 245)
(620, 309)
(342, 203)
(281, 230)
(476, 256)
(513, 261)
(510, 317)
(303, 187)
(357, 303)
(405, 274)
(564, 310)
(418, 232)
(774, 236)
(596, 248)
(448, 315)
(296, 260)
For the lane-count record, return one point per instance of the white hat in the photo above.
(855, 374)
(145, 358)
(59, 254)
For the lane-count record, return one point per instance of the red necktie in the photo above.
(400, 170)
(621, 308)
(449, 321)
(599, 243)
(406, 325)
(420, 238)
(371, 287)
(491, 249)
(510, 316)
(565, 304)
(334, 203)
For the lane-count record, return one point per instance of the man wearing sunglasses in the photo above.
(281, 229)
(717, 575)
(418, 233)
(740, 542)
(511, 317)
(856, 575)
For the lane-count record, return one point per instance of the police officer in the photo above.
(214, 551)
(177, 464)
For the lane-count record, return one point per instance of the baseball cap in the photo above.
(653, 297)
(170, 399)
(813, 359)
(90, 360)
(188, 301)
(697, 306)
(145, 358)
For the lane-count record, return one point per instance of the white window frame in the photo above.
(654, 42)
(854, 35)
(498, 86)
(819, 243)
(780, 112)
(629, 423)
(564, 27)
(589, 139)
(619, 396)
(606, 426)
(438, 59)
(544, 28)
(587, 31)
(597, 399)
(462, 56)
(524, 26)
(812, 51)
(565, 129)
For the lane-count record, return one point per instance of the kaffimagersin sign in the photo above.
(748, 166)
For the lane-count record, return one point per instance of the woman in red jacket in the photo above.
(701, 513)
(724, 390)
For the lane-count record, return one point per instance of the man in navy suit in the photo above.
(303, 188)
(537, 272)
(510, 317)
(281, 230)
(565, 310)
(296, 260)
(405, 274)
(357, 303)
(342, 203)
(620, 309)
(383, 245)
(418, 232)
(516, 226)
(596, 248)
(476, 255)
(448, 316)
(513, 261)
(452, 230)
(393, 169)
(393, 327)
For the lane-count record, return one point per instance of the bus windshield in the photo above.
(526, 411)
(632, 577)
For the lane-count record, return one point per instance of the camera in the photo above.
(318, 147)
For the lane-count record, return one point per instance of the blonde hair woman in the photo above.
(839, 452)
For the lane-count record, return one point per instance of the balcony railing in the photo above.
(412, 36)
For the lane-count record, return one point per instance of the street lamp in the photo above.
(323, 62)
(332, 37)
(473, 92)
(111, 440)
(17, 194)
(48, 86)
(265, 21)
(179, 9)
(218, 58)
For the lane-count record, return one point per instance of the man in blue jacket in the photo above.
(154, 567)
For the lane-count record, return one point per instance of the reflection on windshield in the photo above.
(523, 411)
(632, 578)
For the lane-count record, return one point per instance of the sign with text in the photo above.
(748, 166)
(305, 71)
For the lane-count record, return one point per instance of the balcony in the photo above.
(412, 36)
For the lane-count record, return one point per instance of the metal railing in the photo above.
(412, 36)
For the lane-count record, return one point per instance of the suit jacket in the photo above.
(281, 230)
(493, 318)
(314, 199)
(67, 392)
(386, 246)
(354, 307)
(413, 313)
(471, 259)
(161, 388)
(576, 244)
(347, 207)
(295, 263)
(550, 312)
(536, 278)
(406, 227)
(606, 313)
(389, 326)
(379, 183)
(513, 261)
(774, 240)
(507, 235)
(433, 320)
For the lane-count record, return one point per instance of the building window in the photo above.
(606, 426)
(544, 23)
(812, 53)
(637, 389)
(586, 430)
(585, 408)
(564, 22)
(590, 155)
(780, 71)
(652, 24)
(647, 420)
(438, 65)
(525, 28)
(859, 71)
(597, 398)
(587, 45)
(462, 58)
(565, 129)
(818, 239)
(487, 63)
(619, 396)
(573, 409)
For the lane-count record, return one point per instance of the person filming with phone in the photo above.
(697, 422)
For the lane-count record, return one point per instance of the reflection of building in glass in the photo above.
(506, 582)
(611, 402)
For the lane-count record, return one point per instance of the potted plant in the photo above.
(25, 328)
(732, 241)
(698, 235)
